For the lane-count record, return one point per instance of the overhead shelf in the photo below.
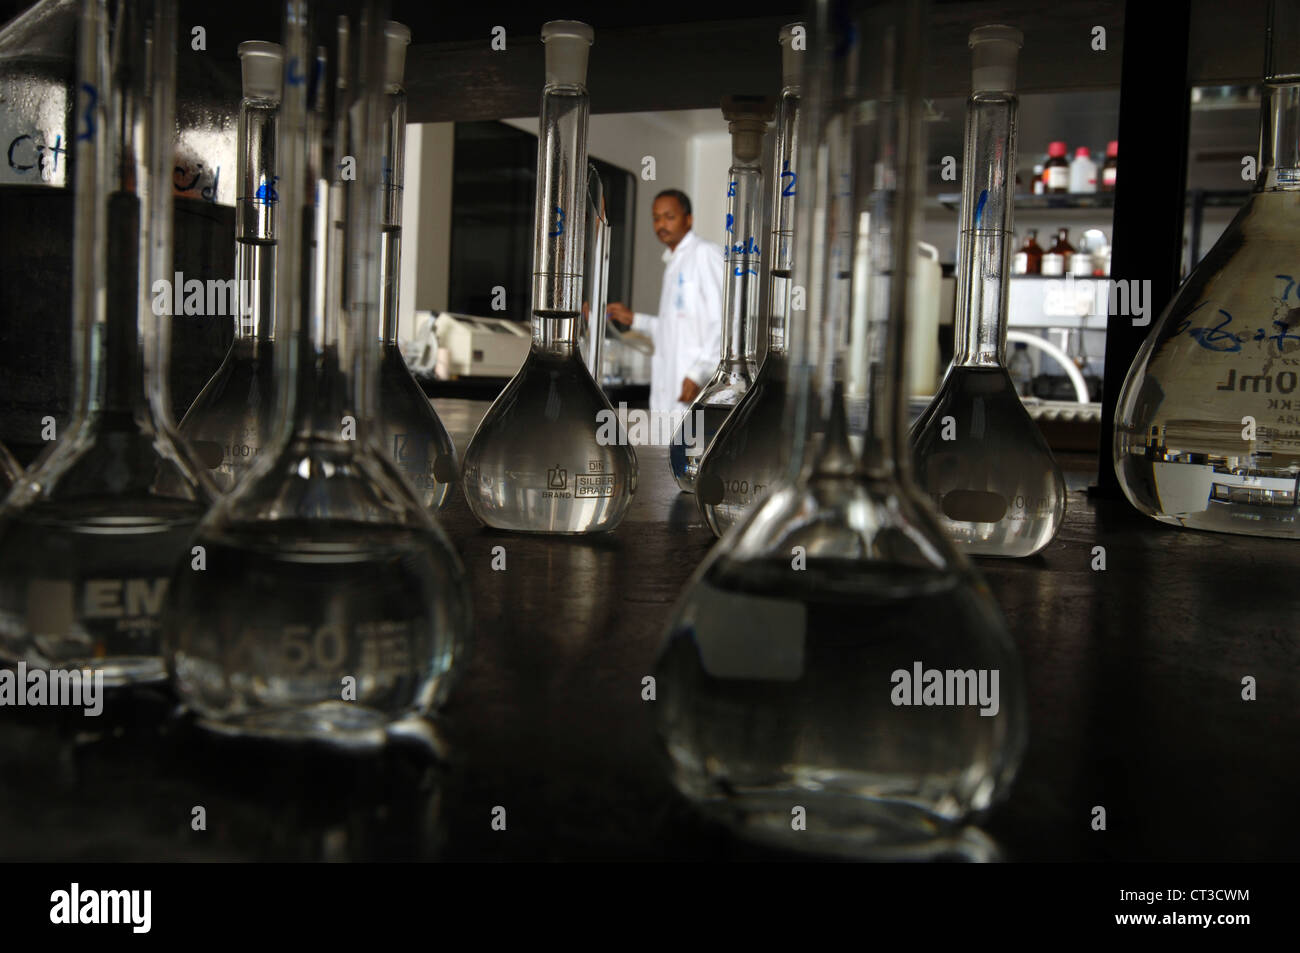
(1207, 198)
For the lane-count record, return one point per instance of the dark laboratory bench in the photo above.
(1135, 693)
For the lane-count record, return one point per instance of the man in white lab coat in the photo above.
(687, 331)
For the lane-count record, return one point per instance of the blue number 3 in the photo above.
(559, 223)
(88, 117)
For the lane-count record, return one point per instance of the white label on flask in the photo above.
(1058, 177)
(1108, 177)
(755, 637)
(1053, 264)
(1020, 263)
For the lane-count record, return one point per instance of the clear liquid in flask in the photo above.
(691, 439)
(83, 582)
(747, 456)
(231, 421)
(1207, 432)
(981, 459)
(550, 455)
(283, 614)
(782, 689)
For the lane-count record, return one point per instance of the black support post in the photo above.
(1147, 237)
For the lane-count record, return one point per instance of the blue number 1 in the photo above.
(559, 223)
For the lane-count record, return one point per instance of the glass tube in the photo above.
(747, 455)
(230, 420)
(747, 118)
(597, 274)
(413, 432)
(88, 535)
(978, 453)
(329, 604)
(551, 455)
(1206, 434)
(790, 681)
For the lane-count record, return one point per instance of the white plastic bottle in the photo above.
(1083, 172)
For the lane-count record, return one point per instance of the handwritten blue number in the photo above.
(88, 117)
(559, 223)
(731, 190)
(789, 189)
(1290, 283)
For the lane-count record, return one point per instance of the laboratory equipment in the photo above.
(1056, 260)
(481, 347)
(321, 598)
(787, 696)
(1083, 171)
(551, 455)
(231, 420)
(977, 452)
(597, 271)
(1056, 173)
(1110, 168)
(747, 118)
(746, 455)
(89, 534)
(1206, 430)
(413, 432)
(1029, 260)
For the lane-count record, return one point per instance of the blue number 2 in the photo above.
(787, 174)
(88, 117)
(559, 223)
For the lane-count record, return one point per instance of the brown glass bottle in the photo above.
(1057, 171)
(1056, 260)
(1108, 169)
(1029, 259)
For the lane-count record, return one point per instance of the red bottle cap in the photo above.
(1055, 149)
(1112, 148)
(1082, 151)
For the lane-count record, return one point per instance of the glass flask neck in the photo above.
(784, 188)
(123, 280)
(256, 212)
(560, 218)
(1279, 138)
(391, 190)
(986, 227)
(741, 258)
(336, 321)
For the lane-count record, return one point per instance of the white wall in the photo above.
(706, 174)
(685, 158)
(426, 223)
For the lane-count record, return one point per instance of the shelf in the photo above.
(1210, 198)
(1071, 200)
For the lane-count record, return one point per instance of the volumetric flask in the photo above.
(1207, 433)
(747, 118)
(803, 676)
(416, 439)
(747, 455)
(231, 420)
(978, 454)
(89, 535)
(551, 455)
(321, 599)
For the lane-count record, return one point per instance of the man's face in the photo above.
(671, 223)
